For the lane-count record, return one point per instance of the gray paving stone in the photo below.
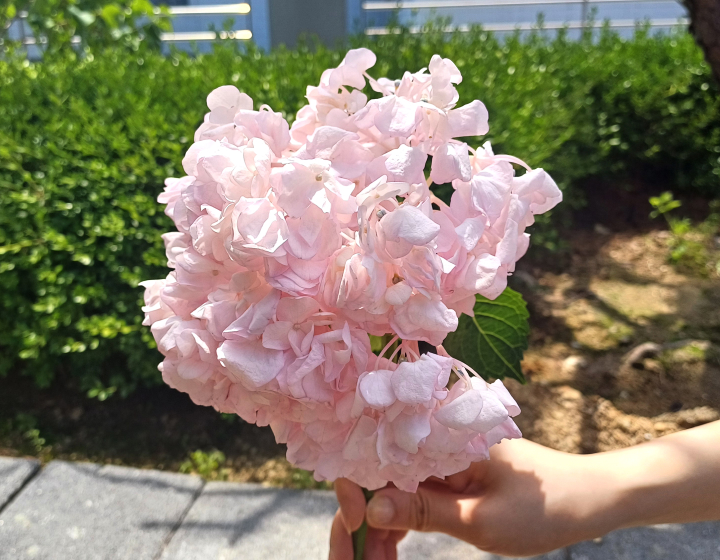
(251, 522)
(231, 521)
(694, 541)
(80, 511)
(13, 474)
(76, 511)
(437, 546)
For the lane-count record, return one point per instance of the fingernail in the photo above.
(380, 510)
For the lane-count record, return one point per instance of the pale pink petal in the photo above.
(377, 390)
(296, 310)
(505, 397)
(470, 231)
(230, 97)
(410, 430)
(410, 224)
(414, 382)
(362, 442)
(397, 116)
(539, 187)
(275, 335)
(424, 319)
(450, 162)
(398, 294)
(469, 120)
(493, 412)
(462, 412)
(250, 362)
(507, 430)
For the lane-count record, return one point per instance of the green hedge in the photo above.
(85, 144)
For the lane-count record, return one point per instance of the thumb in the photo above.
(425, 510)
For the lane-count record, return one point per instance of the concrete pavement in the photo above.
(81, 511)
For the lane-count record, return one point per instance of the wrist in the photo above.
(642, 485)
(600, 501)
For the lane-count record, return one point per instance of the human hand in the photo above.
(526, 500)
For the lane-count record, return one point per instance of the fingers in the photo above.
(425, 510)
(376, 544)
(380, 544)
(341, 547)
(352, 503)
(391, 544)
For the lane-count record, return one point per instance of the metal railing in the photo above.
(435, 4)
(231, 9)
(173, 37)
(552, 25)
(512, 20)
(220, 9)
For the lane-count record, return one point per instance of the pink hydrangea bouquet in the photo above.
(295, 245)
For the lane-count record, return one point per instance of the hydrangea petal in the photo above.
(414, 382)
(461, 412)
(377, 389)
(250, 362)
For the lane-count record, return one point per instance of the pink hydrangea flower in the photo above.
(293, 244)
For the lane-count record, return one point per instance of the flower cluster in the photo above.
(294, 244)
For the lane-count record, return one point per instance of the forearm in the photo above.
(675, 479)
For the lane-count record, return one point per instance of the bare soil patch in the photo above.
(618, 292)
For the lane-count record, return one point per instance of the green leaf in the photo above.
(492, 342)
(111, 14)
(86, 18)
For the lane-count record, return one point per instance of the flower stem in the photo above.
(358, 537)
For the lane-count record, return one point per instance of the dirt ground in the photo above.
(624, 348)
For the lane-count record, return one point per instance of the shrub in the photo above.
(86, 141)
(94, 23)
(693, 247)
(207, 465)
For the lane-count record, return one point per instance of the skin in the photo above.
(529, 499)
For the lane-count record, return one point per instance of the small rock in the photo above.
(636, 356)
(568, 393)
(653, 366)
(601, 230)
(572, 364)
(697, 416)
(525, 278)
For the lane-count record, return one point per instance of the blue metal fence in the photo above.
(194, 20)
(195, 23)
(373, 16)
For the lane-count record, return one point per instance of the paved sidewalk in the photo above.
(81, 511)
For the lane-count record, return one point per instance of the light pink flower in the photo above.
(294, 244)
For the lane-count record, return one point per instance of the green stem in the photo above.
(359, 536)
